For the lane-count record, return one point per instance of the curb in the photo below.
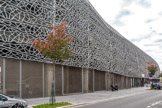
(96, 101)
(74, 105)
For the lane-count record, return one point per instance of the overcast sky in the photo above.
(140, 21)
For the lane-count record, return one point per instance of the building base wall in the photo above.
(27, 79)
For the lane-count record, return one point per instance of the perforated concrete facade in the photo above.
(96, 44)
(98, 49)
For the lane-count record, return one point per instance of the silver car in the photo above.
(160, 83)
(10, 102)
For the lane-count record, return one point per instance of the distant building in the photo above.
(102, 56)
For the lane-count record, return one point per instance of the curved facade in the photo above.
(96, 44)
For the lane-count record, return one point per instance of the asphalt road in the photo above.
(151, 99)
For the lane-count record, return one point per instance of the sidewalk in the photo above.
(88, 98)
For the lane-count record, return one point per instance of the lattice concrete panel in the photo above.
(96, 44)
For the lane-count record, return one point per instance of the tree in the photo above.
(55, 47)
(160, 75)
(151, 68)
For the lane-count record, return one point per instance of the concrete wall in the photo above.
(91, 79)
(28, 79)
(75, 80)
(99, 80)
(12, 77)
(32, 79)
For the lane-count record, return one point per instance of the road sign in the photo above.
(150, 76)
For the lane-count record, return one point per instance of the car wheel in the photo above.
(18, 106)
(21, 106)
(15, 106)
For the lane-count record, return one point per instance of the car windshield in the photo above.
(155, 84)
(5, 96)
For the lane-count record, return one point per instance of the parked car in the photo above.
(147, 85)
(160, 83)
(156, 86)
(11, 102)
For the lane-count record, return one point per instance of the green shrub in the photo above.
(152, 89)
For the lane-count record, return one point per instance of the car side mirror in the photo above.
(4, 99)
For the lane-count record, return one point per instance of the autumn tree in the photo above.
(151, 68)
(55, 47)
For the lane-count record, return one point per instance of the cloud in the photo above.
(135, 40)
(138, 39)
(123, 13)
(127, 2)
(151, 44)
(160, 47)
(118, 22)
(120, 15)
(148, 50)
(144, 3)
(160, 13)
(149, 20)
(160, 40)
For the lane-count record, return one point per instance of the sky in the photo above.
(140, 21)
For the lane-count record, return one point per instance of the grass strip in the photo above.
(152, 89)
(52, 105)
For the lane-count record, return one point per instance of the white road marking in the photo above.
(155, 103)
(104, 100)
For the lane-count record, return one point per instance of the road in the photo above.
(151, 99)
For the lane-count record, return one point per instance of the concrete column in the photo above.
(122, 81)
(68, 80)
(106, 80)
(4, 75)
(93, 80)
(20, 88)
(86, 80)
(62, 80)
(54, 78)
(134, 82)
(131, 82)
(113, 79)
(82, 80)
(126, 82)
(119, 76)
(43, 77)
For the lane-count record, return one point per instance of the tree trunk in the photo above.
(53, 98)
